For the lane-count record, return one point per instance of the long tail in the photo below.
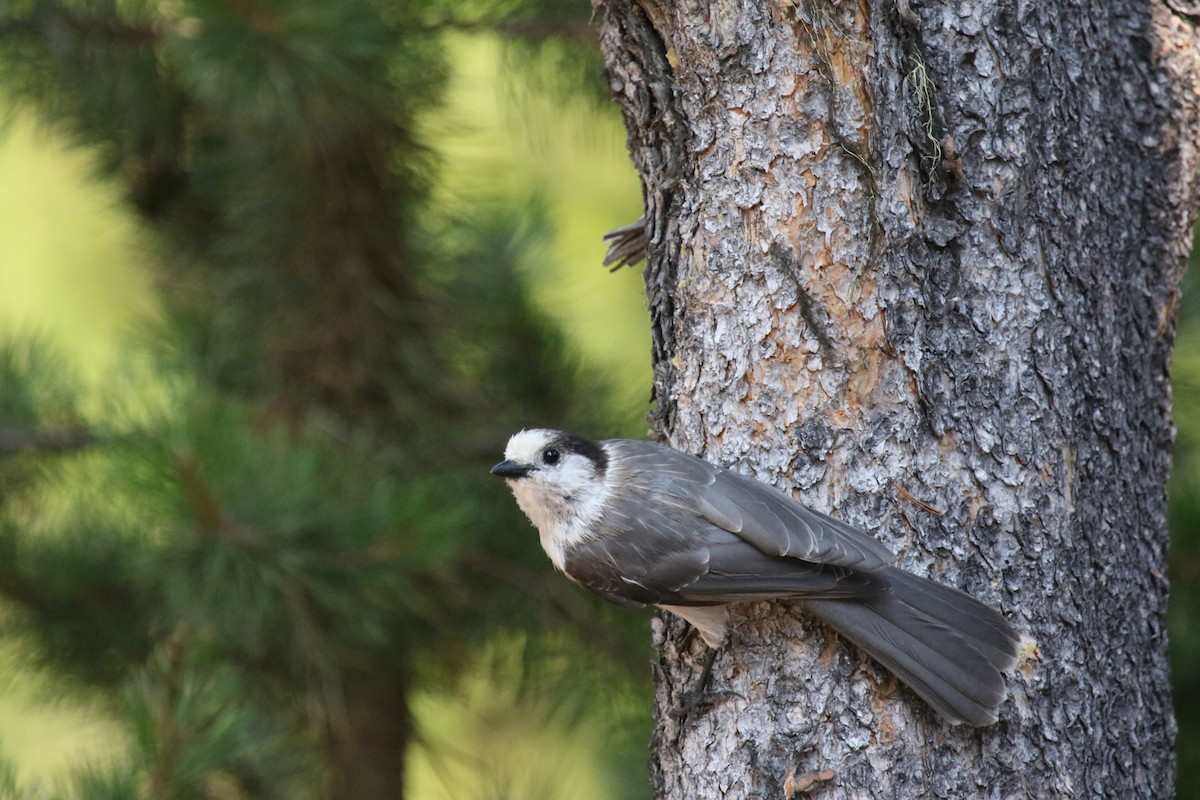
(946, 645)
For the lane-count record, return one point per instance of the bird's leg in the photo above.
(698, 698)
(705, 672)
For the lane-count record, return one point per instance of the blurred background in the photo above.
(277, 280)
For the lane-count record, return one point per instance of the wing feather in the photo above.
(765, 517)
(653, 559)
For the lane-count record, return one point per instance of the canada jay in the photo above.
(636, 522)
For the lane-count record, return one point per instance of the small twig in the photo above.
(921, 504)
(210, 517)
(628, 245)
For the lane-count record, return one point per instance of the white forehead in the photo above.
(526, 447)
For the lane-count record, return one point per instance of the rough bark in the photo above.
(919, 264)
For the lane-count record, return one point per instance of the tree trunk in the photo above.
(919, 265)
(367, 745)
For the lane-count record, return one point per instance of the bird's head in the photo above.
(560, 482)
(554, 464)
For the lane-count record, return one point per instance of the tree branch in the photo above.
(57, 26)
(61, 440)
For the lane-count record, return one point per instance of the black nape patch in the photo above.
(585, 447)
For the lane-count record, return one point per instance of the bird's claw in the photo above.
(691, 703)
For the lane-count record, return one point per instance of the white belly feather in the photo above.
(561, 521)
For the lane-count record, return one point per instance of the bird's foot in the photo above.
(699, 699)
(693, 703)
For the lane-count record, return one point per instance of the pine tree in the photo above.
(304, 532)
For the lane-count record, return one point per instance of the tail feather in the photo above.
(977, 623)
(946, 646)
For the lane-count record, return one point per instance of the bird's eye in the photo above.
(550, 455)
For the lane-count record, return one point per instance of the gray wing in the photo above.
(765, 517)
(660, 556)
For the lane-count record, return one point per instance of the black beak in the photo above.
(511, 469)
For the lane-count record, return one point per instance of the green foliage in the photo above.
(506, 353)
(8, 781)
(283, 534)
(1184, 612)
(37, 386)
(79, 598)
(303, 534)
(101, 784)
(37, 393)
(199, 730)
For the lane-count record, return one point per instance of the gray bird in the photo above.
(639, 523)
